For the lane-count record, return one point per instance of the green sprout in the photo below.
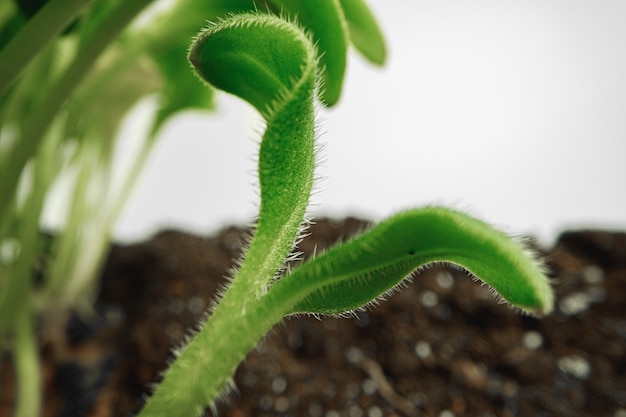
(71, 70)
(272, 64)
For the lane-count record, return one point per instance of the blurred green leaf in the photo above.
(109, 93)
(365, 34)
(325, 21)
(10, 23)
(168, 38)
(181, 90)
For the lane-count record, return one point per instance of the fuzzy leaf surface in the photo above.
(270, 63)
(355, 273)
(250, 56)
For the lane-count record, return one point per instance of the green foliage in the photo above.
(232, 56)
(365, 34)
(270, 63)
(183, 93)
(273, 67)
(325, 20)
(62, 101)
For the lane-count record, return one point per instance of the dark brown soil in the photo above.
(440, 347)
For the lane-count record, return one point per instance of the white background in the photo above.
(513, 110)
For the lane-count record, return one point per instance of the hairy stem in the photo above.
(276, 63)
(271, 64)
(204, 368)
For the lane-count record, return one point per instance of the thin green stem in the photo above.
(92, 48)
(204, 368)
(27, 366)
(16, 106)
(17, 276)
(36, 34)
(286, 167)
(61, 286)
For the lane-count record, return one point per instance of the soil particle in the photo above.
(441, 347)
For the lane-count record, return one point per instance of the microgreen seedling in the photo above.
(270, 62)
(62, 99)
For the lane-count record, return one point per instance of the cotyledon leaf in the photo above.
(355, 273)
(252, 55)
(332, 24)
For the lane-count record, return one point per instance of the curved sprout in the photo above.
(270, 63)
